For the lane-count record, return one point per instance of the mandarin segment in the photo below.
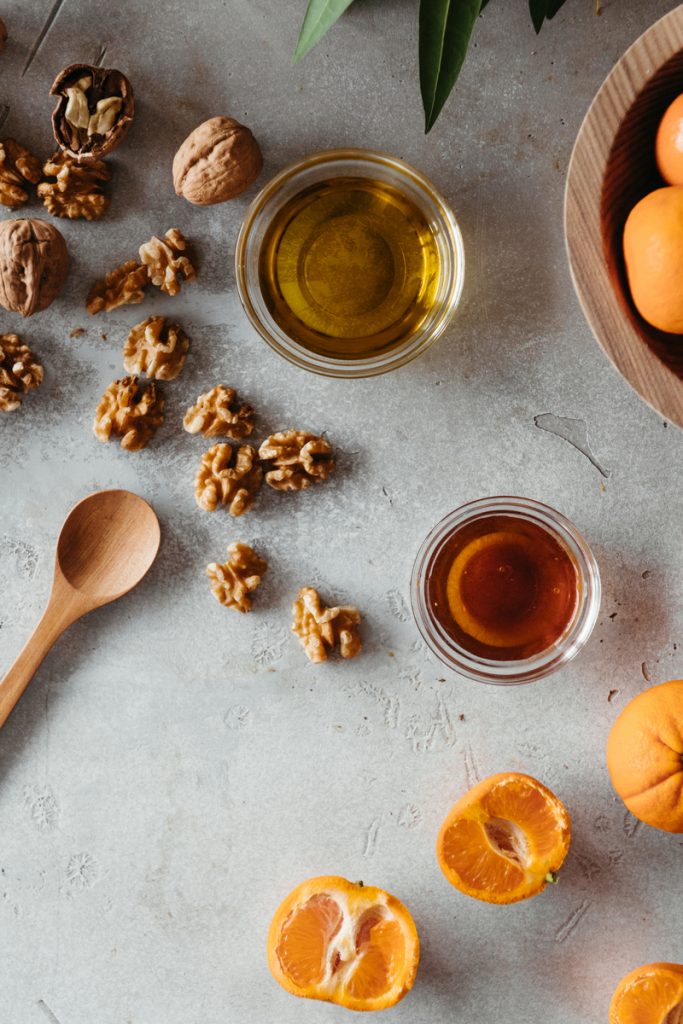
(652, 994)
(504, 839)
(645, 756)
(345, 943)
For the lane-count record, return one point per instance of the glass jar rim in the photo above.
(552, 658)
(449, 238)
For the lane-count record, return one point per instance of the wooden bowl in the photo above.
(612, 167)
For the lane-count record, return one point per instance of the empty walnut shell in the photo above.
(33, 265)
(95, 109)
(216, 162)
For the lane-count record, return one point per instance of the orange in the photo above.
(505, 839)
(652, 994)
(669, 143)
(645, 756)
(653, 252)
(343, 942)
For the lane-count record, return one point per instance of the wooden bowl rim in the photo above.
(617, 335)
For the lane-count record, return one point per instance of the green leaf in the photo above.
(553, 7)
(445, 30)
(320, 16)
(539, 12)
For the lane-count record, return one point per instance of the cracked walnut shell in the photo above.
(20, 371)
(122, 286)
(129, 411)
(219, 160)
(18, 168)
(33, 265)
(236, 579)
(95, 109)
(295, 460)
(166, 265)
(320, 629)
(228, 476)
(77, 190)
(219, 413)
(156, 348)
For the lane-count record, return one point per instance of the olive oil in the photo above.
(349, 268)
(504, 588)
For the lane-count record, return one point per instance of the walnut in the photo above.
(33, 265)
(124, 285)
(156, 348)
(18, 168)
(95, 109)
(166, 267)
(20, 371)
(228, 476)
(295, 460)
(77, 189)
(319, 628)
(218, 412)
(232, 582)
(219, 160)
(128, 411)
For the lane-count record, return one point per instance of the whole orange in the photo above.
(645, 756)
(669, 143)
(653, 252)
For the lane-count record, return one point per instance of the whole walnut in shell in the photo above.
(216, 162)
(33, 265)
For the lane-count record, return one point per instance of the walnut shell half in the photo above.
(95, 109)
(33, 265)
(216, 162)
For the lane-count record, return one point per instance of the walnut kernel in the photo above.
(20, 371)
(320, 628)
(228, 476)
(156, 348)
(295, 459)
(122, 286)
(166, 265)
(236, 579)
(219, 160)
(219, 413)
(18, 168)
(129, 411)
(77, 189)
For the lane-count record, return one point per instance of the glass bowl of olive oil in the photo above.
(349, 263)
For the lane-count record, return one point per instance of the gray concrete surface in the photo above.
(175, 769)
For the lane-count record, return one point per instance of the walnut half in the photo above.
(122, 286)
(320, 629)
(228, 476)
(129, 411)
(20, 371)
(167, 261)
(156, 348)
(295, 459)
(18, 168)
(77, 189)
(236, 579)
(219, 413)
(95, 109)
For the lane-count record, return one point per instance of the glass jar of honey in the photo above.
(349, 263)
(505, 590)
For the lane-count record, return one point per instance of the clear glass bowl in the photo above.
(358, 163)
(566, 647)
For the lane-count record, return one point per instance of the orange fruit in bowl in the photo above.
(669, 143)
(652, 994)
(645, 756)
(505, 839)
(653, 254)
(343, 942)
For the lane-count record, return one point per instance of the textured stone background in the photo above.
(175, 769)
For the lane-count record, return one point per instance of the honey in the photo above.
(503, 588)
(349, 268)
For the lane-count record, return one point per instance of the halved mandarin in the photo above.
(343, 942)
(652, 994)
(505, 839)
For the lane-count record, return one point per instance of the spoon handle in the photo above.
(49, 629)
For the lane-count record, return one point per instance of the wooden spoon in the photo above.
(106, 545)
